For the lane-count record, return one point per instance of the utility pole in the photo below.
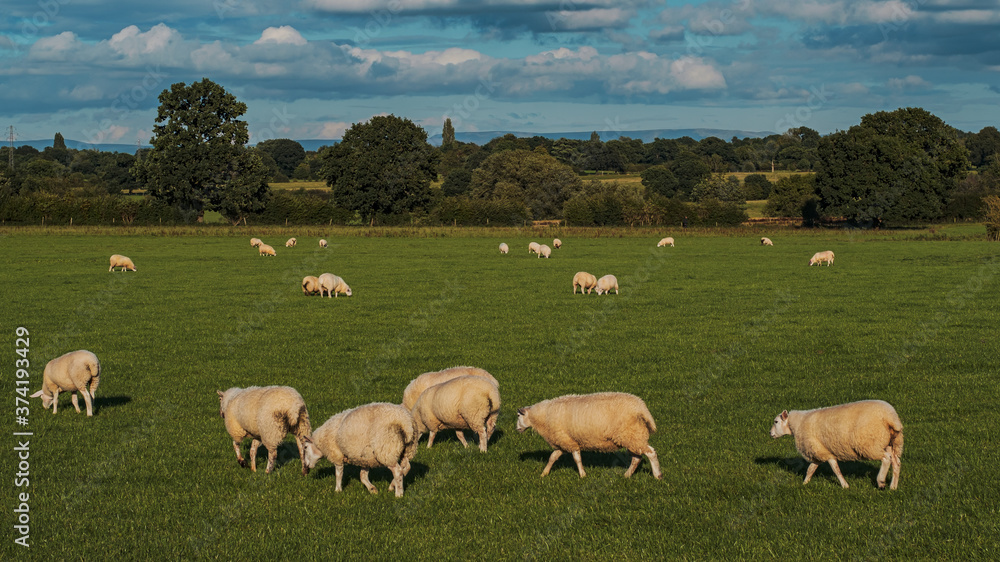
(10, 137)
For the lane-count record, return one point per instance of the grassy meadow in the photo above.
(717, 335)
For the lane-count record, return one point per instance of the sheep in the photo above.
(71, 372)
(265, 250)
(290, 243)
(322, 243)
(418, 385)
(467, 402)
(368, 436)
(557, 243)
(820, 257)
(585, 281)
(534, 248)
(310, 285)
(668, 241)
(606, 283)
(255, 242)
(605, 422)
(504, 248)
(544, 251)
(865, 430)
(265, 415)
(766, 242)
(121, 261)
(332, 285)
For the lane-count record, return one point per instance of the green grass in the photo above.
(718, 335)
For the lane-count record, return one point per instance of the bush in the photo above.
(712, 212)
(756, 187)
(36, 208)
(992, 218)
(466, 211)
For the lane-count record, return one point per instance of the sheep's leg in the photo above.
(253, 454)
(87, 399)
(75, 403)
(55, 400)
(579, 463)
(895, 472)
(483, 439)
(272, 457)
(340, 477)
(366, 482)
(552, 460)
(886, 461)
(405, 465)
(430, 439)
(655, 462)
(809, 472)
(836, 470)
(461, 437)
(239, 455)
(491, 425)
(302, 454)
(397, 481)
(636, 459)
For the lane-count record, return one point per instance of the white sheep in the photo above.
(265, 415)
(544, 251)
(557, 243)
(605, 422)
(865, 430)
(71, 372)
(821, 257)
(766, 242)
(467, 402)
(310, 285)
(606, 283)
(332, 285)
(504, 248)
(534, 248)
(322, 243)
(668, 241)
(121, 261)
(290, 243)
(265, 250)
(418, 385)
(255, 242)
(585, 281)
(368, 436)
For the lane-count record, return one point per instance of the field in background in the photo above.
(717, 335)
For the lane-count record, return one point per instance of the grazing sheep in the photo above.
(544, 251)
(605, 422)
(606, 283)
(418, 385)
(585, 281)
(322, 243)
(255, 242)
(368, 436)
(820, 257)
(467, 402)
(865, 430)
(265, 250)
(74, 371)
(290, 243)
(310, 285)
(332, 285)
(557, 243)
(121, 261)
(265, 415)
(668, 241)
(534, 248)
(504, 248)
(766, 242)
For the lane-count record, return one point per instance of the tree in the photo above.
(984, 146)
(59, 142)
(447, 134)
(199, 157)
(719, 187)
(756, 187)
(660, 180)
(689, 169)
(992, 217)
(792, 196)
(383, 166)
(287, 154)
(537, 180)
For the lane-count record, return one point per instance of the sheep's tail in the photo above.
(299, 419)
(407, 435)
(95, 375)
(646, 417)
(895, 428)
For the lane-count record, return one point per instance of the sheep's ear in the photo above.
(522, 411)
(307, 439)
(784, 414)
(38, 394)
(221, 394)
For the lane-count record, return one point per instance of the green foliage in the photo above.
(792, 196)
(992, 216)
(660, 180)
(535, 180)
(470, 211)
(720, 187)
(301, 208)
(49, 208)
(984, 146)
(689, 169)
(756, 187)
(383, 166)
(287, 154)
(457, 182)
(712, 212)
(59, 142)
(447, 134)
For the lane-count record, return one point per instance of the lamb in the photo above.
(265, 250)
(467, 402)
(820, 257)
(71, 372)
(418, 385)
(865, 430)
(504, 248)
(534, 247)
(606, 283)
(265, 415)
(310, 285)
(290, 243)
(605, 422)
(585, 281)
(766, 242)
(368, 436)
(255, 242)
(322, 243)
(332, 285)
(668, 241)
(557, 243)
(544, 251)
(121, 261)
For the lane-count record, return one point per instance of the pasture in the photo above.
(717, 335)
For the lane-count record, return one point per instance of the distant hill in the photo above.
(80, 145)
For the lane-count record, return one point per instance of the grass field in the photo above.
(718, 335)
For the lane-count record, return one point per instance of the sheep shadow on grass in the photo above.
(619, 459)
(451, 436)
(377, 476)
(288, 452)
(850, 469)
(107, 402)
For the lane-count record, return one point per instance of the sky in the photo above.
(308, 69)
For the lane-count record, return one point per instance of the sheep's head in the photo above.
(224, 398)
(780, 425)
(311, 454)
(348, 292)
(46, 398)
(523, 422)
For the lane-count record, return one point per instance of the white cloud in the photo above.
(598, 18)
(285, 34)
(911, 82)
(133, 43)
(56, 47)
(86, 92)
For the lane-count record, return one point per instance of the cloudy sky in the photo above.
(92, 69)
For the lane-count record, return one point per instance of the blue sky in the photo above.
(92, 69)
